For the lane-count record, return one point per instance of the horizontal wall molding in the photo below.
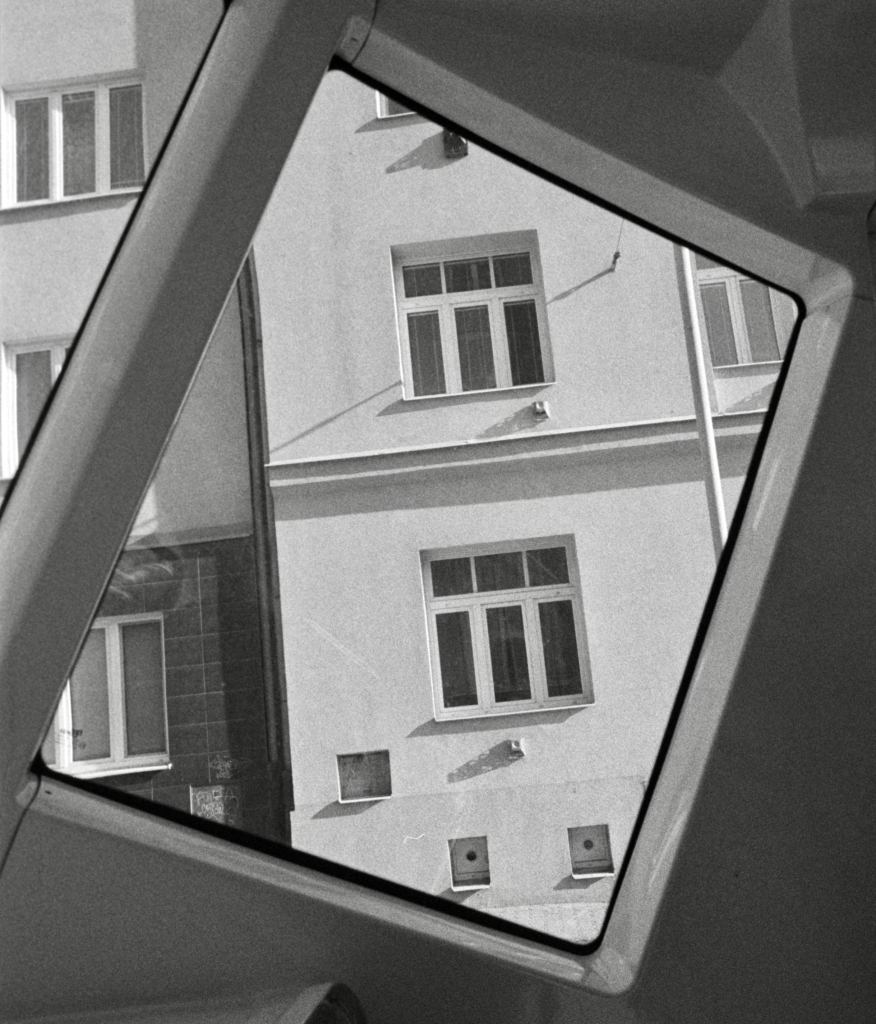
(379, 466)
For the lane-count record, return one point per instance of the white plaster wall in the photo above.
(355, 186)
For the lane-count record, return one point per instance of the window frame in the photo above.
(477, 603)
(445, 303)
(102, 151)
(118, 763)
(10, 454)
(383, 113)
(732, 280)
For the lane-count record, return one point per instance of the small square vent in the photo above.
(590, 850)
(469, 863)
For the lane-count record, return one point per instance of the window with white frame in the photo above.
(71, 142)
(506, 629)
(28, 372)
(744, 320)
(471, 314)
(365, 776)
(112, 717)
(388, 107)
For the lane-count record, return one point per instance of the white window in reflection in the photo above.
(745, 321)
(112, 717)
(64, 144)
(506, 630)
(27, 374)
(475, 321)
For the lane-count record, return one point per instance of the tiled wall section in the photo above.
(215, 682)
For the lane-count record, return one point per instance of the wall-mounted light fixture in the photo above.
(455, 145)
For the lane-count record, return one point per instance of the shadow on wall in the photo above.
(428, 156)
(498, 756)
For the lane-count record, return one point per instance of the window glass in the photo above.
(32, 148)
(470, 615)
(77, 112)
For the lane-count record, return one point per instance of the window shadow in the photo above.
(428, 156)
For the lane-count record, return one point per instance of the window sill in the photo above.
(89, 198)
(465, 715)
(468, 888)
(364, 799)
(593, 875)
(103, 771)
(480, 391)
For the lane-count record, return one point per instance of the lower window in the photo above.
(506, 629)
(112, 716)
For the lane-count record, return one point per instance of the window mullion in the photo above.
(501, 356)
(449, 347)
(102, 139)
(535, 650)
(115, 680)
(737, 313)
(56, 147)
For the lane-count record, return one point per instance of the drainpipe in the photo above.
(702, 406)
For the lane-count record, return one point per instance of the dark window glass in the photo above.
(719, 326)
(475, 348)
(560, 648)
(451, 576)
(547, 566)
(77, 114)
(427, 362)
(499, 572)
(759, 321)
(364, 776)
(508, 653)
(33, 383)
(467, 275)
(393, 107)
(524, 346)
(144, 688)
(126, 136)
(457, 662)
(423, 280)
(32, 149)
(511, 270)
(89, 700)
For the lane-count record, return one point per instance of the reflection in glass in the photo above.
(77, 115)
(508, 653)
(89, 700)
(475, 348)
(560, 646)
(32, 149)
(457, 661)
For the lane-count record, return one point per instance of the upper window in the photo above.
(67, 143)
(27, 375)
(745, 321)
(471, 314)
(388, 107)
(112, 716)
(506, 629)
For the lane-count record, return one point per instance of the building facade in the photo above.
(170, 697)
(491, 522)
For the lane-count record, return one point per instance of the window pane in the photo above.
(560, 647)
(33, 382)
(77, 110)
(467, 275)
(508, 653)
(499, 572)
(424, 280)
(89, 700)
(32, 149)
(126, 136)
(719, 326)
(364, 776)
(451, 576)
(144, 688)
(475, 348)
(511, 270)
(524, 347)
(393, 107)
(759, 321)
(427, 362)
(457, 663)
(547, 566)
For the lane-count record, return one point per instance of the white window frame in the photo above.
(732, 280)
(383, 111)
(101, 89)
(362, 799)
(476, 605)
(118, 763)
(450, 250)
(10, 456)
